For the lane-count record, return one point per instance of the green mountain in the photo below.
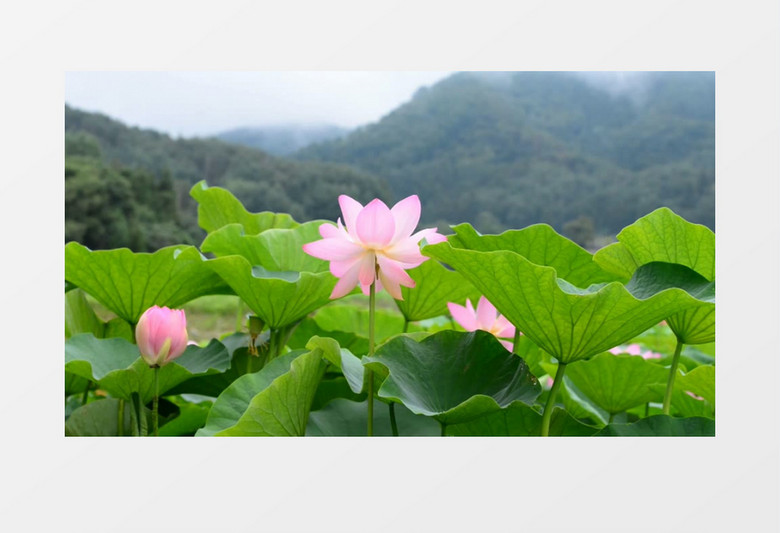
(127, 186)
(505, 150)
(282, 140)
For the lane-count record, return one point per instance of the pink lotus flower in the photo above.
(377, 245)
(161, 335)
(694, 396)
(635, 349)
(485, 317)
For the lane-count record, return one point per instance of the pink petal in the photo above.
(463, 316)
(471, 309)
(394, 271)
(430, 235)
(375, 224)
(507, 344)
(333, 249)
(406, 215)
(486, 314)
(329, 231)
(347, 282)
(339, 268)
(405, 251)
(616, 350)
(504, 327)
(350, 209)
(367, 272)
(393, 287)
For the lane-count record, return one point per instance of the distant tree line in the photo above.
(130, 187)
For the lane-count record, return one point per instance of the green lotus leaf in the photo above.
(280, 299)
(617, 382)
(308, 328)
(218, 207)
(662, 426)
(274, 249)
(568, 322)
(520, 420)
(101, 419)
(663, 236)
(539, 244)
(344, 418)
(452, 376)
(684, 405)
(116, 365)
(272, 402)
(435, 286)
(354, 319)
(700, 381)
(129, 283)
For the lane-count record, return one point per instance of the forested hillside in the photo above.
(512, 149)
(130, 187)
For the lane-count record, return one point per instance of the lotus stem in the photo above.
(85, 396)
(548, 408)
(156, 399)
(371, 306)
(515, 341)
(393, 423)
(672, 375)
(120, 419)
(443, 428)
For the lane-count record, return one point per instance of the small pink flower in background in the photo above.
(485, 317)
(161, 335)
(550, 382)
(635, 349)
(375, 243)
(694, 396)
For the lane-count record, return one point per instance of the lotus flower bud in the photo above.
(161, 335)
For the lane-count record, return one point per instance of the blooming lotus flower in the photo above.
(161, 335)
(375, 244)
(485, 317)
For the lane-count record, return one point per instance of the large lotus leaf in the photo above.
(434, 287)
(349, 364)
(617, 382)
(119, 369)
(235, 399)
(309, 328)
(684, 405)
(275, 249)
(700, 381)
(276, 408)
(129, 283)
(332, 387)
(354, 319)
(520, 420)
(662, 426)
(661, 236)
(190, 418)
(694, 326)
(101, 419)
(453, 376)
(344, 418)
(241, 362)
(541, 245)
(567, 322)
(278, 298)
(81, 318)
(218, 207)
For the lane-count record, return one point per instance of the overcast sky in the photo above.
(204, 103)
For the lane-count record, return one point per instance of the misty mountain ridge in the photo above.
(282, 139)
(509, 149)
